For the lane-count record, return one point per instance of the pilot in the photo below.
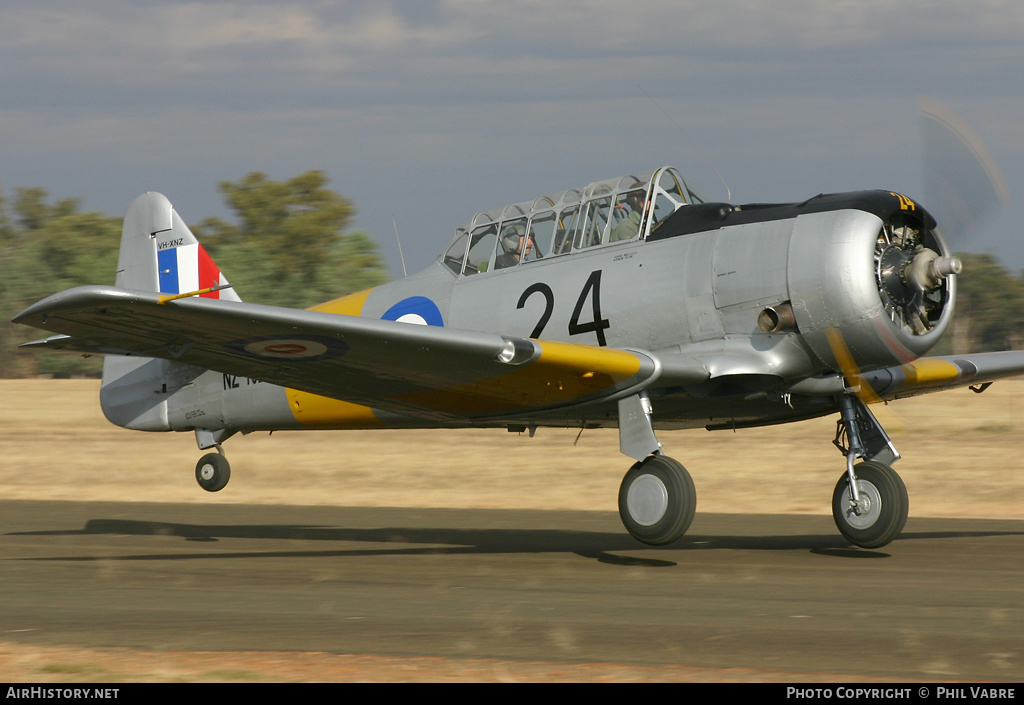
(511, 242)
(629, 226)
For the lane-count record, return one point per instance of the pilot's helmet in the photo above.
(511, 236)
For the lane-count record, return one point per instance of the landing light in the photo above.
(508, 352)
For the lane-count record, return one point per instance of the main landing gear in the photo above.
(657, 497)
(870, 503)
(213, 470)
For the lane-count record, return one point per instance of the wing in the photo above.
(426, 371)
(934, 374)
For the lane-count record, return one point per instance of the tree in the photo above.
(289, 247)
(46, 248)
(989, 312)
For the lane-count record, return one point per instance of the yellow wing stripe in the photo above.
(563, 373)
(928, 371)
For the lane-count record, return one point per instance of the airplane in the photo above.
(631, 303)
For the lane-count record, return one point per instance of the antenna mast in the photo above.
(728, 191)
(400, 255)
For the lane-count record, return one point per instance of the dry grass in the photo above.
(30, 663)
(959, 448)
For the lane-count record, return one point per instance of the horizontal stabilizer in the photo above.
(70, 344)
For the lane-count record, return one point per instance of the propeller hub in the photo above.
(912, 274)
(942, 267)
(927, 270)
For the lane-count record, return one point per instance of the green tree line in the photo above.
(291, 246)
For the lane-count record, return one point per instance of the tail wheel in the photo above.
(213, 472)
(880, 515)
(657, 500)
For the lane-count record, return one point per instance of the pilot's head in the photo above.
(512, 238)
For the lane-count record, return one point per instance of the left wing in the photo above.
(935, 374)
(426, 371)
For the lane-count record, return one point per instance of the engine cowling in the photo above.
(878, 273)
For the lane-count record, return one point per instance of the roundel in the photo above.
(306, 348)
(415, 309)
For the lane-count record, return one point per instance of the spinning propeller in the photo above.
(963, 187)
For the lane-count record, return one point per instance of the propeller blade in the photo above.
(860, 386)
(962, 182)
(849, 368)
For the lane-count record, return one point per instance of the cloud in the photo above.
(510, 99)
(126, 52)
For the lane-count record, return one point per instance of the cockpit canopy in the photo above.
(604, 213)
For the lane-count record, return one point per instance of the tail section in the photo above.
(158, 253)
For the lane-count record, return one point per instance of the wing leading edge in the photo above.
(425, 371)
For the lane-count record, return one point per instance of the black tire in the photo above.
(887, 505)
(657, 500)
(213, 472)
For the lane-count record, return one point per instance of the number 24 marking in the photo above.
(591, 289)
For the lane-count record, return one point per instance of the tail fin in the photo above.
(158, 253)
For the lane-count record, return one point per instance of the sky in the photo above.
(429, 111)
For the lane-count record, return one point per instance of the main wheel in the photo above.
(213, 472)
(882, 512)
(657, 500)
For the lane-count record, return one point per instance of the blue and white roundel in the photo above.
(415, 309)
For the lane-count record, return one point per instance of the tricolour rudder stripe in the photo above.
(187, 268)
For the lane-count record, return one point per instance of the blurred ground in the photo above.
(960, 459)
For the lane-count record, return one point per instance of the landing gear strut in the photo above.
(870, 502)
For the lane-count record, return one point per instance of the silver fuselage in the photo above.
(696, 291)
